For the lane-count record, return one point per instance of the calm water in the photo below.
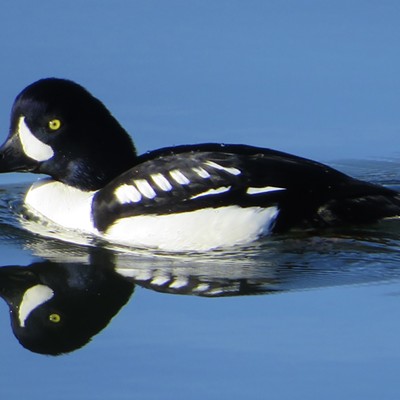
(294, 316)
(302, 316)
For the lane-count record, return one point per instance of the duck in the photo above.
(195, 197)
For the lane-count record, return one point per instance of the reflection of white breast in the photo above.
(61, 204)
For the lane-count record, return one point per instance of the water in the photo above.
(318, 79)
(297, 315)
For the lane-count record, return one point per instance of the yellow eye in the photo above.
(54, 318)
(54, 124)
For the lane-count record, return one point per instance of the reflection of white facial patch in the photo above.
(31, 145)
(33, 298)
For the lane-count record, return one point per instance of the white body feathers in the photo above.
(198, 230)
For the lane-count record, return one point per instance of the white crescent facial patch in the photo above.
(31, 145)
(33, 298)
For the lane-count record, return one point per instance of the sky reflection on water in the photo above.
(318, 79)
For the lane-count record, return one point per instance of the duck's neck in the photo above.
(90, 173)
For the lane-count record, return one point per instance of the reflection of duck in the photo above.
(194, 197)
(57, 307)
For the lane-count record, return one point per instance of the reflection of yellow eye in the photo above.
(54, 318)
(54, 124)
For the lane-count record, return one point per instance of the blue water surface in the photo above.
(319, 79)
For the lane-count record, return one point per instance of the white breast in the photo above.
(61, 204)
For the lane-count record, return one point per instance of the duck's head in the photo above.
(57, 308)
(59, 129)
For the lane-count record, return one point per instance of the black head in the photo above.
(57, 308)
(59, 129)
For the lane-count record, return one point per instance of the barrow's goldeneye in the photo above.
(184, 198)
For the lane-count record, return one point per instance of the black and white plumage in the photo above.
(194, 197)
(57, 307)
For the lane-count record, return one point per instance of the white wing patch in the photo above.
(265, 189)
(33, 298)
(31, 145)
(127, 194)
(162, 182)
(209, 192)
(160, 280)
(178, 177)
(201, 172)
(145, 188)
(232, 171)
(138, 274)
(201, 287)
(179, 282)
